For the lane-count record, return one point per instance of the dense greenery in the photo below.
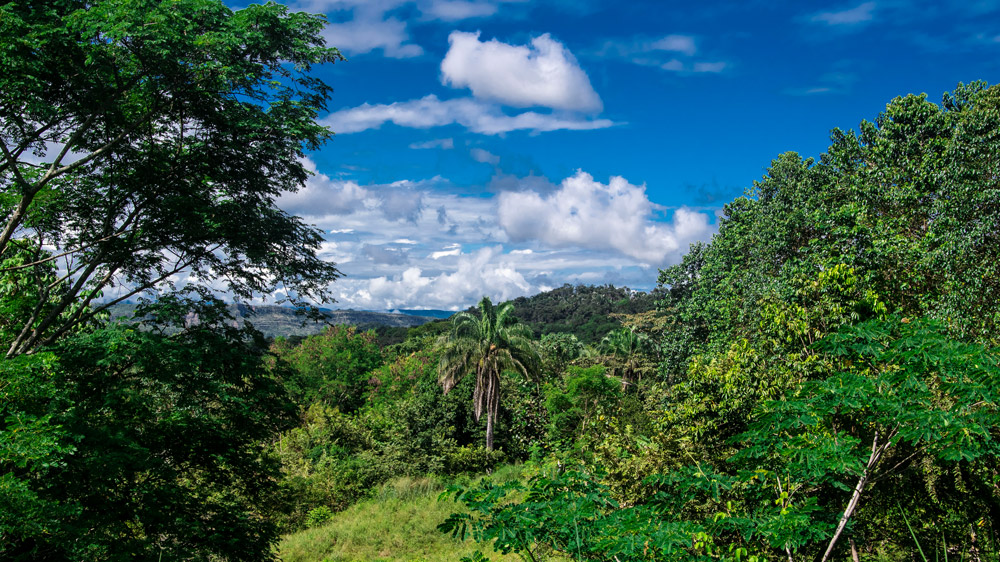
(118, 444)
(165, 131)
(828, 370)
(585, 311)
(819, 381)
(139, 140)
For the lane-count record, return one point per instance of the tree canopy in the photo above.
(139, 140)
(488, 345)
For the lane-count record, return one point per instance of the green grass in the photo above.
(398, 523)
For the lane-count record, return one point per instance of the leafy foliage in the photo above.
(488, 344)
(138, 445)
(584, 311)
(166, 130)
(331, 367)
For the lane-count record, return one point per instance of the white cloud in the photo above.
(700, 67)
(543, 74)
(369, 31)
(484, 272)
(410, 244)
(450, 250)
(673, 65)
(674, 53)
(456, 10)
(322, 196)
(586, 213)
(401, 201)
(364, 26)
(443, 144)
(484, 156)
(859, 14)
(476, 116)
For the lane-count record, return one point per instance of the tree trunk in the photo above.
(876, 455)
(489, 430)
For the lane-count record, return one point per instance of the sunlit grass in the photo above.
(398, 523)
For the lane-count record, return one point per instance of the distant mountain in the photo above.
(582, 310)
(431, 313)
(274, 321)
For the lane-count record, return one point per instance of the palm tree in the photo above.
(629, 350)
(489, 344)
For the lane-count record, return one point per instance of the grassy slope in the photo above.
(399, 523)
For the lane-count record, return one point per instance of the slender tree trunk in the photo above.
(877, 450)
(489, 430)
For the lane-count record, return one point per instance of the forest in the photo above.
(819, 381)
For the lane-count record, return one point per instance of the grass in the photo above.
(398, 523)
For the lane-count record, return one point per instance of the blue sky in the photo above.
(505, 147)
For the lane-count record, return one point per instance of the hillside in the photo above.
(583, 310)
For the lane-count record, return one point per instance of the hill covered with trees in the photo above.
(584, 311)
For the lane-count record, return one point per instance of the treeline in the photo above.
(584, 311)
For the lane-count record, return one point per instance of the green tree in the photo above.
(907, 203)
(629, 351)
(488, 345)
(557, 350)
(588, 393)
(144, 139)
(331, 367)
(134, 445)
(906, 405)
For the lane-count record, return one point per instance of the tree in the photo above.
(331, 367)
(144, 139)
(627, 349)
(488, 344)
(909, 402)
(910, 202)
(121, 444)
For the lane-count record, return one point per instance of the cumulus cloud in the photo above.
(322, 196)
(484, 272)
(474, 115)
(368, 31)
(586, 213)
(409, 244)
(853, 16)
(364, 26)
(543, 73)
(401, 201)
